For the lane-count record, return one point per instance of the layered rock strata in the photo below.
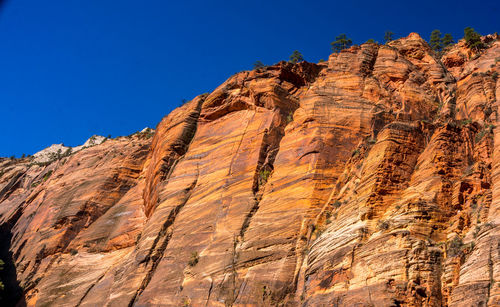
(368, 180)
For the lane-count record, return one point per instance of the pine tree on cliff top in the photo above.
(473, 39)
(388, 36)
(447, 40)
(296, 57)
(258, 65)
(341, 42)
(435, 41)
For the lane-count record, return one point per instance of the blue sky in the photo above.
(70, 69)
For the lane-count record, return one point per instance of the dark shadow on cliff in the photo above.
(12, 295)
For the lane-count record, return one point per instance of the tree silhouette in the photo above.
(341, 42)
(447, 40)
(296, 57)
(388, 36)
(435, 41)
(473, 39)
(258, 65)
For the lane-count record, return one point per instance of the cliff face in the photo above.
(369, 180)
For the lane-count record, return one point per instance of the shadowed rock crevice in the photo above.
(90, 289)
(12, 294)
(160, 244)
(267, 155)
(170, 143)
(268, 152)
(13, 184)
(368, 180)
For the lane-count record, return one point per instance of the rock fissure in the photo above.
(90, 288)
(160, 244)
(367, 180)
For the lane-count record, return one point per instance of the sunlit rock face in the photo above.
(372, 179)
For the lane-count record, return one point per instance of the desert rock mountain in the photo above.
(58, 151)
(372, 179)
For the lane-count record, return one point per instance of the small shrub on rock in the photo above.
(194, 259)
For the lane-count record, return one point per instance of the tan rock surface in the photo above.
(369, 180)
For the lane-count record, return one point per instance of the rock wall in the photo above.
(368, 180)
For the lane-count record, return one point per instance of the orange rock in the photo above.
(369, 180)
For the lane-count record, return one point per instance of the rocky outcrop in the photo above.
(369, 180)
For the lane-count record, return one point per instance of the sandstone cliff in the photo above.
(369, 180)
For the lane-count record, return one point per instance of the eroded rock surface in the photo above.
(369, 180)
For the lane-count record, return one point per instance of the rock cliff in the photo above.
(372, 179)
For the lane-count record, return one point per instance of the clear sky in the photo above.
(70, 69)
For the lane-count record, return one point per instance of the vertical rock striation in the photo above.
(369, 180)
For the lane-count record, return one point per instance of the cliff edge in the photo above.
(372, 179)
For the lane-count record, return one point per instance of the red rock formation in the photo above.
(370, 180)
